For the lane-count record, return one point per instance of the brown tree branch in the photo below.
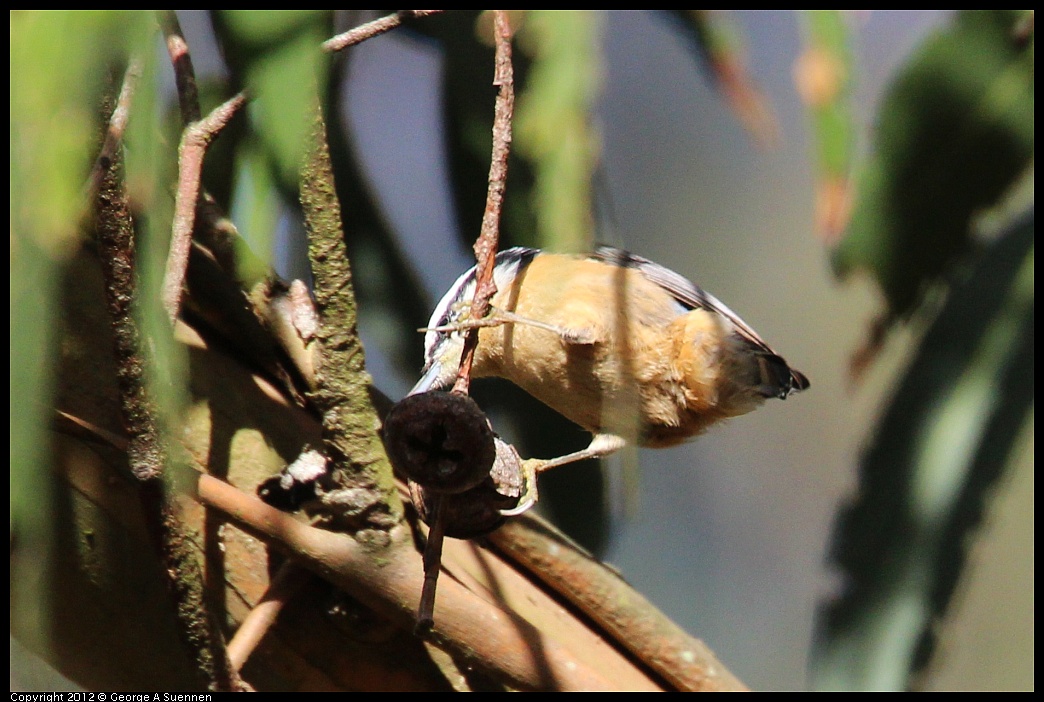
(372, 29)
(146, 451)
(684, 661)
(287, 582)
(473, 628)
(461, 606)
(485, 287)
(116, 127)
(194, 142)
(486, 245)
(181, 60)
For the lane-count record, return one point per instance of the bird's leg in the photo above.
(601, 445)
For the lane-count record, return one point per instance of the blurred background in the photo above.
(730, 535)
(731, 532)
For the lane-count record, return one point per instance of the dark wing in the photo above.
(693, 297)
(681, 289)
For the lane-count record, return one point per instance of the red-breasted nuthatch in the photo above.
(598, 336)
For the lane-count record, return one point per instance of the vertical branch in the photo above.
(146, 453)
(486, 245)
(217, 232)
(181, 59)
(117, 126)
(485, 287)
(432, 566)
(369, 498)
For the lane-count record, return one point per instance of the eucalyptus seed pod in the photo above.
(481, 509)
(440, 440)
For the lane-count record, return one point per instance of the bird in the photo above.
(622, 346)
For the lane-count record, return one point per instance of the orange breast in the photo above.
(643, 362)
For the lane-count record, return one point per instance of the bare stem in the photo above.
(485, 288)
(117, 126)
(486, 245)
(432, 565)
(286, 583)
(194, 142)
(372, 29)
(184, 74)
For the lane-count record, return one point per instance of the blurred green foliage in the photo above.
(929, 472)
(59, 68)
(554, 128)
(954, 134)
(828, 41)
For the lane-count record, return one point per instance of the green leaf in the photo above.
(823, 75)
(925, 480)
(59, 64)
(278, 55)
(827, 36)
(954, 133)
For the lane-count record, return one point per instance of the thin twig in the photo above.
(372, 29)
(725, 58)
(88, 431)
(286, 583)
(213, 229)
(432, 565)
(181, 59)
(198, 217)
(194, 142)
(485, 254)
(117, 126)
(486, 245)
(485, 287)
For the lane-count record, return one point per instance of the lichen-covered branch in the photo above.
(116, 127)
(366, 497)
(476, 628)
(146, 452)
